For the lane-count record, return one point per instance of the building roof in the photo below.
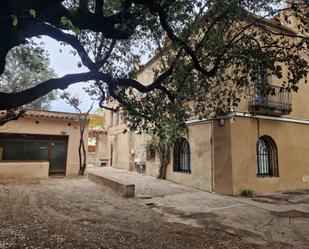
(96, 131)
(49, 114)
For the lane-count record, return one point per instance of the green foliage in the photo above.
(164, 123)
(248, 193)
(26, 67)
(66, 22)
(229, 48)
(14, 20)
(32, 12)
(151, 144)
(162, 139)
(210, 48)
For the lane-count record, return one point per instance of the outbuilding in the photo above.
(39, 144)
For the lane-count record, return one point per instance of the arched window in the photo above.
(267, 157)
(182, 155)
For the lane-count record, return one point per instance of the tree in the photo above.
(97, 119)
(162, 139)
(83, 121)
(29, 65)
(214, 48)
(166, 126)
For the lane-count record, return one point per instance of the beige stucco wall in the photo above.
(146, 75)
(199, 138)
(101, 153)
(121, 148)
(11, 170)
(126, 148)
(131, 146)
(292, 142)
(101, 150)
(49, 126)
(300, 100)
(222, 157)
(91, 158)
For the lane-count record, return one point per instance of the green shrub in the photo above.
(248, 193)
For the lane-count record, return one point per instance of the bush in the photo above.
(248, 193)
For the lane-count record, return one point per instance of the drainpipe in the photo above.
(212, 145)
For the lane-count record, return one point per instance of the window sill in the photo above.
(183, 172)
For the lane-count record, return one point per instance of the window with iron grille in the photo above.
(267, 157)
(182, 156)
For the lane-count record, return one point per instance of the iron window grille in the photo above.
(182, 156)
(267, 157)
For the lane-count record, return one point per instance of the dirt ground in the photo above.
(77, 213)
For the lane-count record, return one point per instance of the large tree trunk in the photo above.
(164, 155)
(82, 153)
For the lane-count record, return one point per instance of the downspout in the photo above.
(212, 145)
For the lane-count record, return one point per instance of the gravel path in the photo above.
(77, 213)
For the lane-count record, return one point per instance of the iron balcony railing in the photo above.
(272, 100)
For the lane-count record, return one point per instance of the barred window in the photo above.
(267, 157)
(182, 156)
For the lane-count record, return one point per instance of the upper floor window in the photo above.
(267, 157)
(260, 73)
(182, 156)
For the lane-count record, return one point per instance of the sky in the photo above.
(66, 63)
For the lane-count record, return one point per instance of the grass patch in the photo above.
(248, 193)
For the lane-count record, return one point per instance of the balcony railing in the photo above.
(273, 100)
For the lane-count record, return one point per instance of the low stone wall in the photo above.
(15, 170)
(124, 189)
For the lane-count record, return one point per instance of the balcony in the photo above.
(273, 100)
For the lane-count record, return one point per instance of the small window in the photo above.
(12, 150)
(267, 157)
(36, 151)
(182, 156)
(150, 154)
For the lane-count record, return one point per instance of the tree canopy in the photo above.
(215, 46)
(27, 66)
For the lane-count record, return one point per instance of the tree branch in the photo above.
(13, 100)
(58, 35)
(11, 115)
(99, 7)
(108, 53)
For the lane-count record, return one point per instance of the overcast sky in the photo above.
(65, 63)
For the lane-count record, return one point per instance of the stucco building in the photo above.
(262, 145)
(97, 152)
(39, 144)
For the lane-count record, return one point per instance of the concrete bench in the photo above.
(124, 189)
